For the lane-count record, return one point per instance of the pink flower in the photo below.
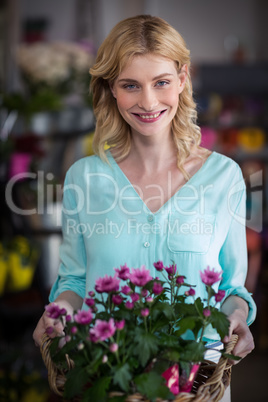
(125, 290)
(149, 299)
(54, 311)
(89, 302)
(159, 265)
(220, 295)
(206, 312)
(140, 277)
(107, 284)
(113, 347)
(190, 292)
(49, 330)
(144, 292)
(145, 312)
(210, 276)
(91, 293)
(74, 330)
(135, 297)
(157, 288)
(68, 318)
(83, 317)
(104, 359)
(117, 299)
(104, 329)
(129, 305)
(179, 280)
(120, 324)
(171, 270)
(123, 272)
(92, 335)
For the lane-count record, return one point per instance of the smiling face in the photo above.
(147, 94)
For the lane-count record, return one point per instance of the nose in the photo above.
(148, 100)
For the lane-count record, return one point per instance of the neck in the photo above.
(153, 154)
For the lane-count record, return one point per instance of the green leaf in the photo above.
(187, 323)
(220, 322)
(76, 381)
(230, 356)
(122, 376)
(164, 308)
(98, 391)
(146, 346)
(117, 398)
(152, 385)
(192, 351)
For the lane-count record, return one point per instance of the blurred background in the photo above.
(46, 122)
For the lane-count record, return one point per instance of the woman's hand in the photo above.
(47, 325)
(236, 310)
(238, 326)
(54, 327)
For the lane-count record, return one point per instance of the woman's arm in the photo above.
(68, 300)
(237, 310)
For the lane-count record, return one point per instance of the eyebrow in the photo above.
(155, 78)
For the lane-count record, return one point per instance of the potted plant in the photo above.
(132, 337)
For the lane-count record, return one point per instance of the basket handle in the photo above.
(56, 378)
(214, 384)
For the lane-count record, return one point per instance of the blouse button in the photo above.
(150, 218)
(146, 244)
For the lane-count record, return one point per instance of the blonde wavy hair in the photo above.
(133, 36)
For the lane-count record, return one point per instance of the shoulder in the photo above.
(87, 165)
(224, 163)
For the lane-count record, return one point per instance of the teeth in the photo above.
(150, 116)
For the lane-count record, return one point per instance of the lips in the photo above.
(149, 116)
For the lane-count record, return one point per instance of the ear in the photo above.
(112, 90)
(183, 74)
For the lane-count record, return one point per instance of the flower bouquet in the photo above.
(140, 336)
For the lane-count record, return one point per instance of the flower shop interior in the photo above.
(47, 123)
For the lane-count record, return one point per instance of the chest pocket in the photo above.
(190, 233)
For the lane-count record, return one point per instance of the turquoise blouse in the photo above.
(107, 224)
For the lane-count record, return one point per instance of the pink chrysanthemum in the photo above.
(54, 311)
(135, 297)
(210, 276)
(129, 305)
(117, 299)
(145, 312)
(89, 302)
(220, 295)
(83, 317)
(107, 284)
(206, 312)
(123, 272)
(104, 329)
(171, 270)
(144, 292)
(120, 324)
(140, 276)
(180, 280)
(126, 290)
(113, 347)
(157, 288)
(190, 292)
(159, 266)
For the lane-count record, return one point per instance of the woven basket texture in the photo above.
(210, 384)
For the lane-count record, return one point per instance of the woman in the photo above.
(156, 194)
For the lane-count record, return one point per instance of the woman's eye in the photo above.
(130, 86)
(162, 83)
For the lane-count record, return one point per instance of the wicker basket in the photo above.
(211, 381)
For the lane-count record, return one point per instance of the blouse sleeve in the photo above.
(72, 269)
(233, 254)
